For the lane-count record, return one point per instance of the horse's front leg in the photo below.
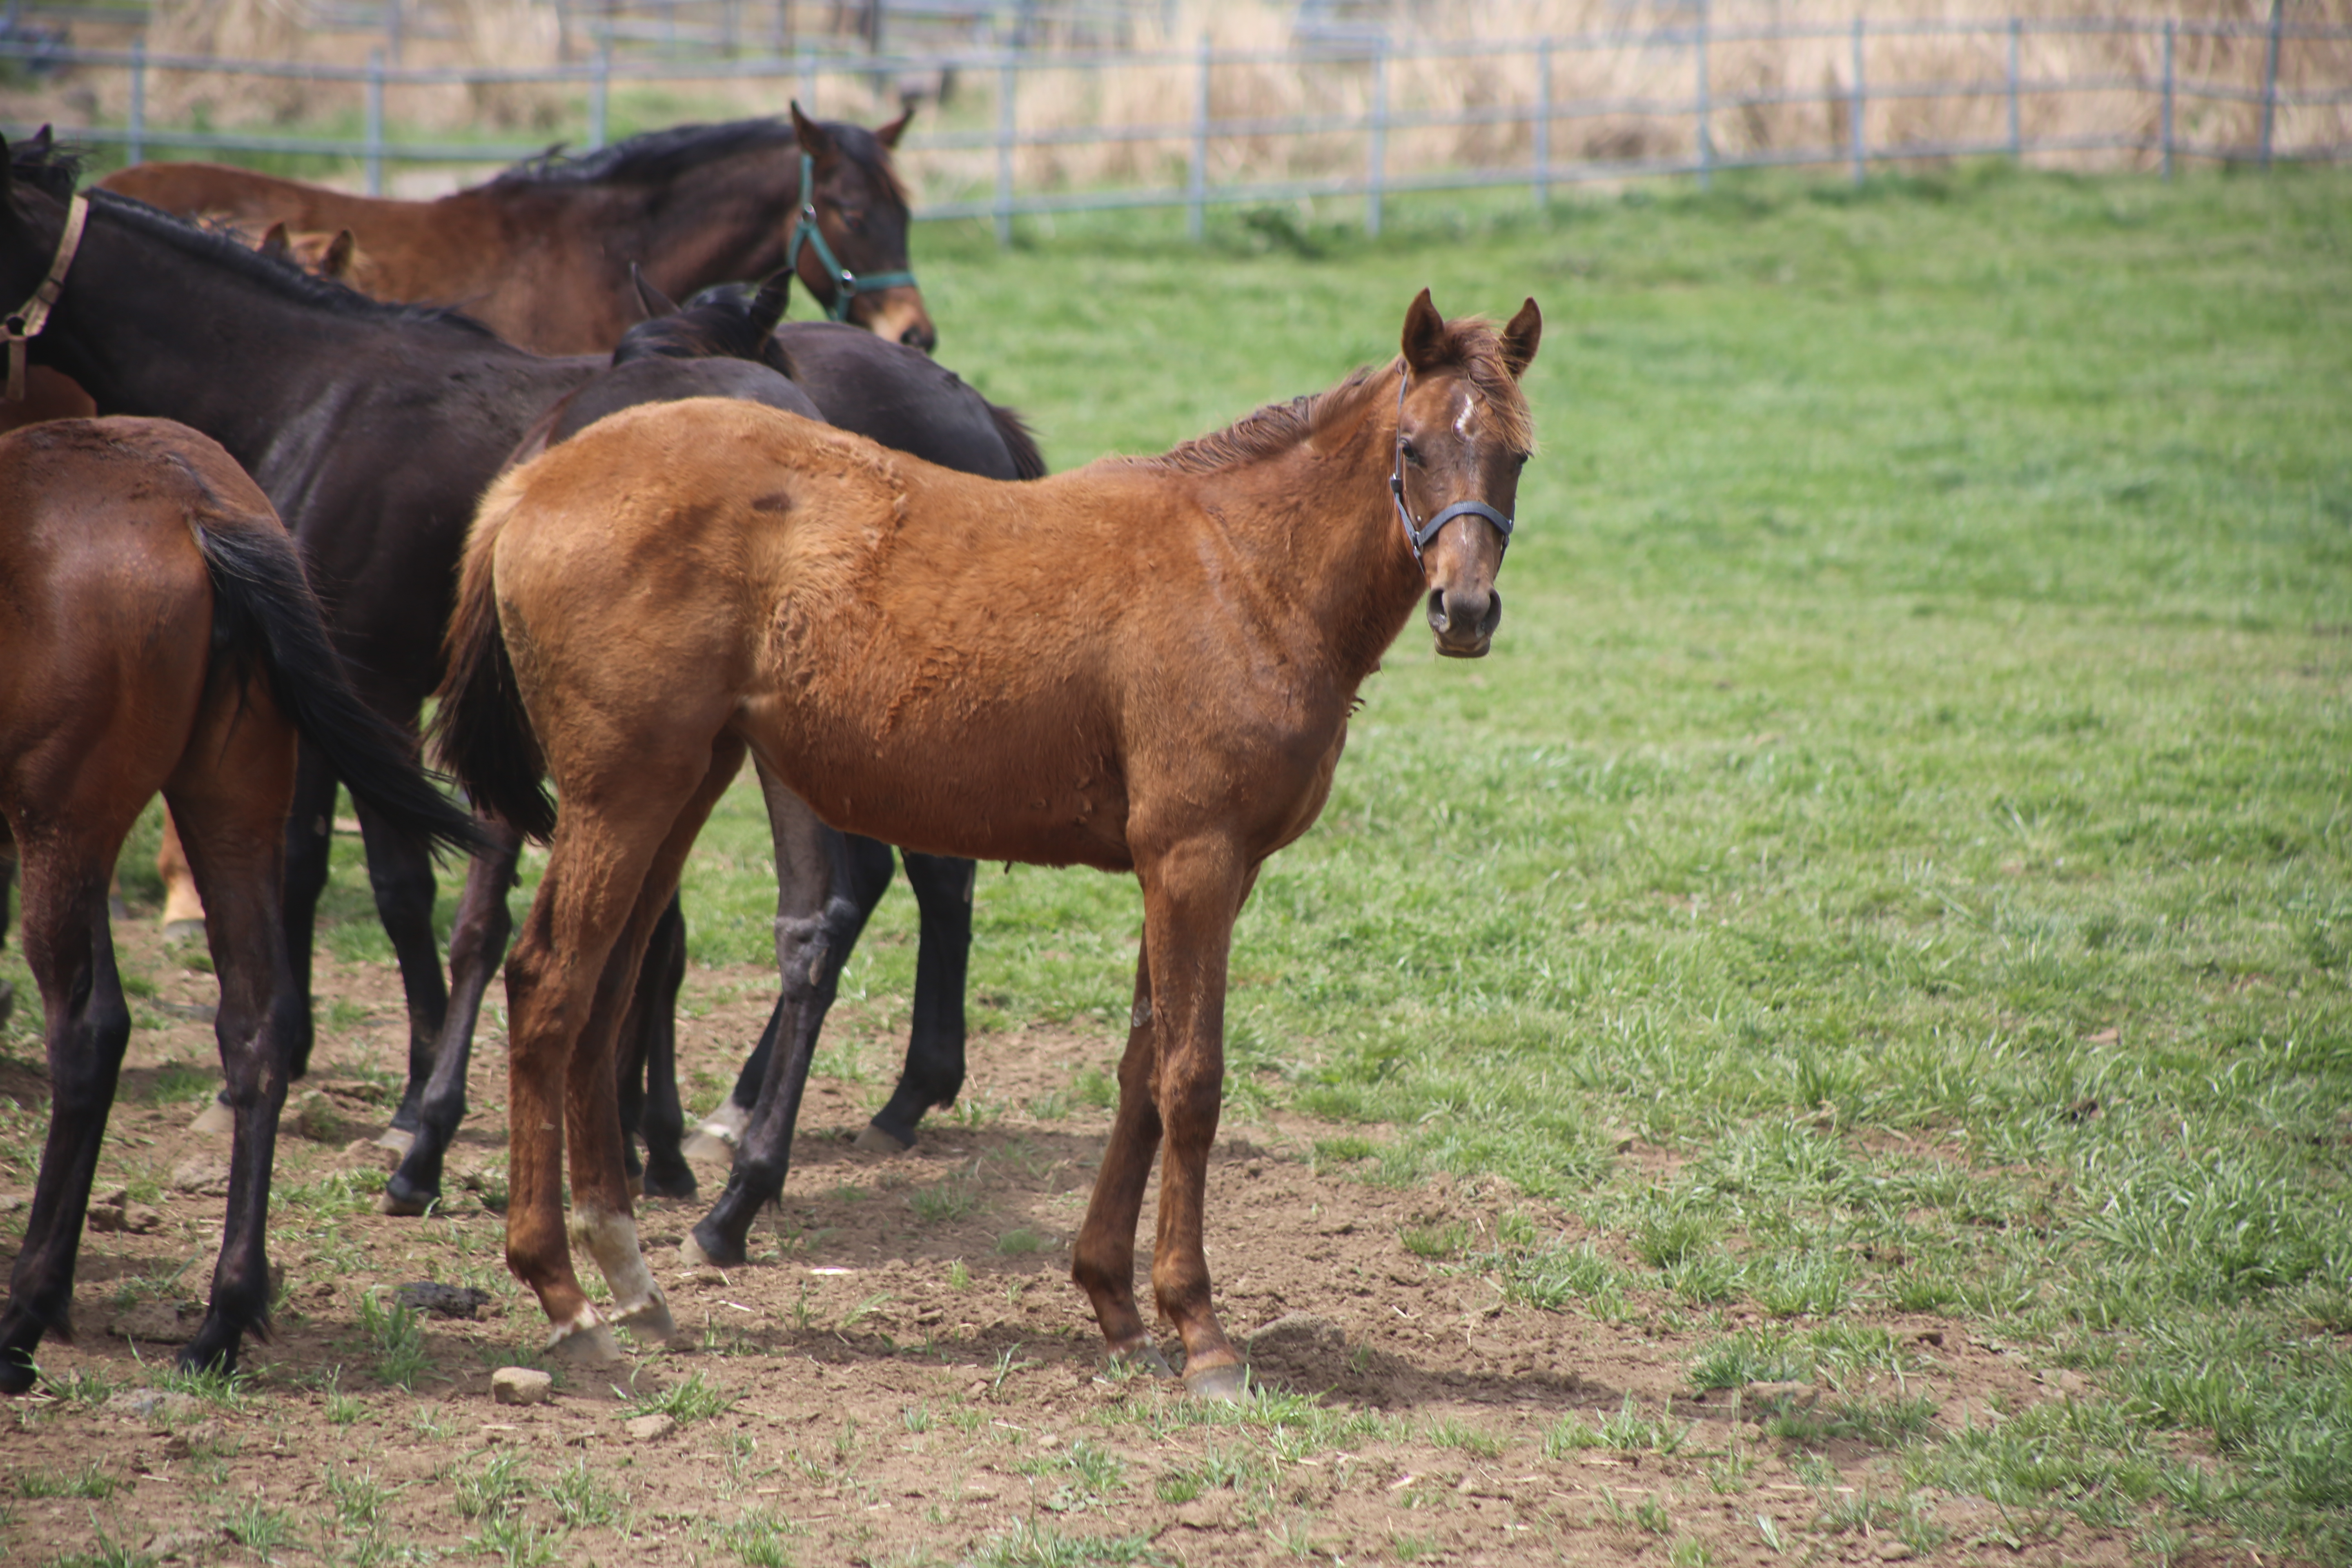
(476, 942)
(400, 872)
(1191, 894)
(1102, 1263)
(933, 1073)
(825, 887)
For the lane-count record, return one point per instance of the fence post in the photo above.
(1861, 100)
(1376, 170)
(600, 92)
(1196, 178)
(2170, 26)
(2270, 78)
(2016, 123)
(137, 147)
(374, 155)
(392, 28)
(1543, 122)
(1008, 77)
(1705, 142)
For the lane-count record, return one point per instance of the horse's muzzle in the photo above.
(1463, 622)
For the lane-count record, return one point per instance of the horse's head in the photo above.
(1463, 433)
(728, 321)
(850, 243)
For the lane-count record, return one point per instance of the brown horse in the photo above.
(541, 255)
(158, 633)
(1146, 665)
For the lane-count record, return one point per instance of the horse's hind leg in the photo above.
(229, 796)
(71, 953)
(826, 884)
(600, 1203)
(477, 943)
(7, 882)
(619, 842)
(933, 1073)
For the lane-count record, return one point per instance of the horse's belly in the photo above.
(988, 793)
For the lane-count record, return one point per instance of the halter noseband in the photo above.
(847, 284)
(1419, 538)
(24, 323)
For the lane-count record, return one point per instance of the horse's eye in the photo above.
(852, 221)
(1413, 454)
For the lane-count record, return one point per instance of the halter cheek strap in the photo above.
(1419, 536)
(847, 284)
(24, 323)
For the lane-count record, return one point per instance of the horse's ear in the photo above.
(768, 305)
(813, 138)
(41, 143)
(1425, 333)
(337, 262)
(274, 244)
(1520, 338)
(889, 135)
(652, 300)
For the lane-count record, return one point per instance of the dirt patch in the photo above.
(904, 1374)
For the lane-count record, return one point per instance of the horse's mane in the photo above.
(222, 248)
(1471, 343)
(656, 157)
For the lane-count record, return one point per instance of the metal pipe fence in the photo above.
(1658, 130)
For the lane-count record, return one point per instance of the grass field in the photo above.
(1910, 784)
(1909, 792)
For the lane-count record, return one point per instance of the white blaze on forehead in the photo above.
(1466, 422)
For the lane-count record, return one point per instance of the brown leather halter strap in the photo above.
(24, 323)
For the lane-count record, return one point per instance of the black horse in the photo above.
(373, 428)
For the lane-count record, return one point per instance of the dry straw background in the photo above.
(523, 34)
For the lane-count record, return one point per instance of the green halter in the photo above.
(847, 284)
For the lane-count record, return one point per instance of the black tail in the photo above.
(482, 731)
(1028, 463)
(262, 607)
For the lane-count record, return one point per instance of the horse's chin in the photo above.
(1478, 649)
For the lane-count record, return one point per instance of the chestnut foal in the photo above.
(1145, 665)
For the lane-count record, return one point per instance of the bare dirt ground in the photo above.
(906, 1372)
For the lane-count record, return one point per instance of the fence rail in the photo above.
(1660, 129)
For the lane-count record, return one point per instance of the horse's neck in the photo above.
(716, 223)
(1342, 580)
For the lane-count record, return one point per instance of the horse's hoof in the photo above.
(585, 1344)
(403, 1203)
(1222, 1383)
(1144, 1362)
(662, 1183)
(649, 1320)
(214, 1120)
(399, 1140)
(876, 1138)
(700, 1251)
(184, 933)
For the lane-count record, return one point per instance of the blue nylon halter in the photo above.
(1419, 538)
(847, 284)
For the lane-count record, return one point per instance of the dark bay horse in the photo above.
(727, 343)
(1146, 665)
(157, 633)
(541, 254)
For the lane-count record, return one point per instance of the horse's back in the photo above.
(900, 397)
(189, 189)
(647, 381)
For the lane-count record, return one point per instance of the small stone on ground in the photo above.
(522, 1386)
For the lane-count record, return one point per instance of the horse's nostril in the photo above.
(920, 336)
